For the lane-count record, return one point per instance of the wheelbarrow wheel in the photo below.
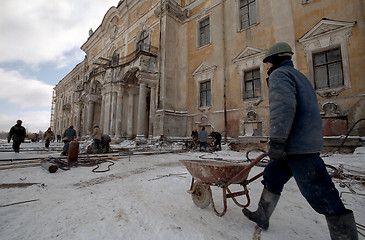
(201, 196)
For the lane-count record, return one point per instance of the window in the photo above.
(247, 13)
(328, 69)
(205, 94)
(325, 46)
(252, 84)
(143, 42)
(204, 32)
(115, 59)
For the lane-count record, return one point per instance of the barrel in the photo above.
(73, 152)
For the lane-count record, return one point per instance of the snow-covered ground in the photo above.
(145, 197)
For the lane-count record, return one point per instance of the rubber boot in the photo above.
(342, 226)
(266, 207)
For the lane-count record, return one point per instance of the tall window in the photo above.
(205, 94)
(252, 84)
(115, 59)
(204, 32)
(247, 13)
(328, 71)
(143, 42)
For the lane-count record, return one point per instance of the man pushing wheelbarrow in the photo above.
(295, 142)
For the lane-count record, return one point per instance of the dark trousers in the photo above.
(312, 178)
(204, 145)
(217, 145)
(65, 148)
(96, 145)
(16, 145)
(47, 143)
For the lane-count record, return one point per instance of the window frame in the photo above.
(239, 16)
(252, 81)
(326, 65)
(198, 32)
(203, 73)
(208, 92)
(326, 35)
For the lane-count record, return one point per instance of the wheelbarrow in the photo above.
(207, 173)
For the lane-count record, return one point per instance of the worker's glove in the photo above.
(277, 148)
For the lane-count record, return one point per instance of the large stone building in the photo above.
(164, 67)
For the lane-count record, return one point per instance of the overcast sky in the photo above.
(40, 43)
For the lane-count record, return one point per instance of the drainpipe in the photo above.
(159, 62)
(224, 72)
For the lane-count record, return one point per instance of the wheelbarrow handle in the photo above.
(240, 174)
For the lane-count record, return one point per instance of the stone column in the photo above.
(78, 119)
(152, 111)
(131, 93)
(119, 112)
(102, 110)
(90, 116)
(141, 121)
(107, 109)
(113, 107)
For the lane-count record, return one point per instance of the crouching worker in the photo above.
(294, 146)
(96, 135)
(105, 143)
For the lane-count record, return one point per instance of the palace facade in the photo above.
(165, 67)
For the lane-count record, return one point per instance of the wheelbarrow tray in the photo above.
(215, 171)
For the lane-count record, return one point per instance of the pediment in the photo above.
(326, 26)
(204, 67)
(249, 52)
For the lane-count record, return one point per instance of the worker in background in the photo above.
(48, 136)
(18, 134)
(68, 136)
(105, 143)
(203, 138)
(217, 140)
(294, 146)
(96, 135)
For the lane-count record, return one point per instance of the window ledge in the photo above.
(330, 92)
(246, 28)
(254, 101)
(205, 108)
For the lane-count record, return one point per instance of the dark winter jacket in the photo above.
(17, 132)
(217, 136)
(294, 112)
(203, 136)
(70, 134)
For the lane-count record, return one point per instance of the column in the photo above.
(102, 111)
(113, 113)
(152, 111)
(119, 113)
(130, 113)
(90, 116)
(141, 121)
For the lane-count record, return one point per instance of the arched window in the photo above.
(143, 42)
(115, 59)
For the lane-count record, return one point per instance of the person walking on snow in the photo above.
(294, 146)
(18, 134)
(48, 136)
